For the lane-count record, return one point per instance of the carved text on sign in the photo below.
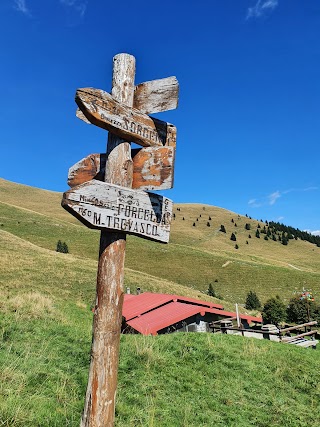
(105, 206)
(104, 111)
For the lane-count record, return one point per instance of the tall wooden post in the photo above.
(101, 391)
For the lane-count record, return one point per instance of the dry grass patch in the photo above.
(31, 305)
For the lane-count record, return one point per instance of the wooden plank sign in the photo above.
(112, 207)
(150, 97)
(156, 96)
(153, 168)
(101, 109)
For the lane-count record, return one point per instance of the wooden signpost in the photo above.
(107, 193)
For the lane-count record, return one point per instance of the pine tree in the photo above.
(211, 291)
(59, 246)
(233, 237)
(65, 248)
(222, 228)
(258, 234)
(208, 224)
(236, 246)
(252, 301)
(247, 226)
(274, 311)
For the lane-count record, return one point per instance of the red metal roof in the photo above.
(149, 313)
(162, 317)
(147, 301)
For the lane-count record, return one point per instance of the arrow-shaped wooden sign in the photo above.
(150, 97)
(152, 168)
(112, 207)
(101, 109)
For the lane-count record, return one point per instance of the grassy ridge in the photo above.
(267, 267)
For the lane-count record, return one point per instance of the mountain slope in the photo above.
(196, 255)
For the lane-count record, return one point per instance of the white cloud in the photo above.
(261, 7)
(315, 232)
(271, 199)
(80, 6)
(21, 6)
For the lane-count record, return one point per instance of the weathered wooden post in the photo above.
(102, 385)
(114, 208)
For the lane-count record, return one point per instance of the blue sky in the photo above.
(248, 116)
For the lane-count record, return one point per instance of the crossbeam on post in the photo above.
(102, 383)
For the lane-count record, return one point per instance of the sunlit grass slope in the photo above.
(174, 380)
(196, 255)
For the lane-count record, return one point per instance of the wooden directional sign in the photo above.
(101, 109)
(156, 96)
(152, 168)
(112, 207)
(150, 97)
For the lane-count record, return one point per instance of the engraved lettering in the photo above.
(96, 218)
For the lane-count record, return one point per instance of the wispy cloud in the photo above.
(261, 8)
(271, 199)
(80, 6)
(21, 6)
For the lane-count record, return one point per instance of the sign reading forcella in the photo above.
(111, 207)
(101, 109)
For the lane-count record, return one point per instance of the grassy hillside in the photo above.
(173, 380)
(267, 267)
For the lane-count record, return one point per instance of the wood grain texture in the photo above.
(128, 123)
(156, 96)
(153, 168)
(107, 206)
(100, 399)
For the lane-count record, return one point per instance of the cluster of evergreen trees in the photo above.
(62, 247)
(294, 233)
(300, 309)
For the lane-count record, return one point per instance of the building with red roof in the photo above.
(153, 314)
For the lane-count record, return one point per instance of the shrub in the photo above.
(274, 311)
(211, 291)
(252, 301)
(208, 224)
(222, 228)
(258, 234)
(236, 246)
(247, 226)
(233, 237)
(302, 308)
(62, 247)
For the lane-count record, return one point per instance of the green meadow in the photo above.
(170, 380)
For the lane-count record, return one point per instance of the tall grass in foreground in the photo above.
(169, 380)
